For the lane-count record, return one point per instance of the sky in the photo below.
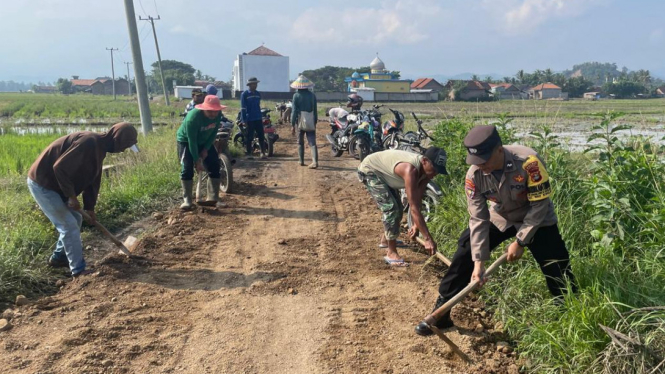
(46, 39)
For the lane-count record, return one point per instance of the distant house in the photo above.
(660, 91)
(45, 89)
(507, 91)
(100, 86)
(594, 95)
(427, 84)
(547, 90)
(471, 90)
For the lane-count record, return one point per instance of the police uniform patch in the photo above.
(470, 188)
(518, 178)
(538, 183)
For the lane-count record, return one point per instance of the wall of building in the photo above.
(549, 93)
(388, 86)
(272, 72)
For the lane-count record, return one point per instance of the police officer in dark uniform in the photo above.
(515, 183)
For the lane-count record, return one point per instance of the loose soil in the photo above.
(284, 277)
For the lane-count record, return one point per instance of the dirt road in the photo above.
(286, 277)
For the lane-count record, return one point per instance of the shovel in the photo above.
(130, 242)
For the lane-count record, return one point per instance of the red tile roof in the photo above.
(422, 82)
(263, 51)
(545, 86)
(83, 82)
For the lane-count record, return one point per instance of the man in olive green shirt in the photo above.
(196, 138)
(304, 104)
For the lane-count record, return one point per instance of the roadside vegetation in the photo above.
(609, 201)
(139, 184)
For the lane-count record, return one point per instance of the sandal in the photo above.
(395, 263)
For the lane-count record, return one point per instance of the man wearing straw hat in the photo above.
(304, 116)
(250, 114)
(196, 138)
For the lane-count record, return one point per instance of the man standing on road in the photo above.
(196, 138)
(304, 116)
(383, 173)
(250, 114)
(514, 181)
(70, 166)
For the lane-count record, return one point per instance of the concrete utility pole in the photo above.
(112, 70)
(129, 81)
(159, 57)
(139, 74)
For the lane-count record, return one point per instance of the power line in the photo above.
(159, 57)
(156, 11)
(144, 12)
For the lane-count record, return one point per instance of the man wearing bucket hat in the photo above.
(383, 173)
(514, 181)
(71, 166)
(196, 138)
(304, 116)
(250, 114)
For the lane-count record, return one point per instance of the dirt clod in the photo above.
(8, 314)
(22, 300)
(479, 328)
(5, 325)
(158, 216)
(503, 347)
(281, 242)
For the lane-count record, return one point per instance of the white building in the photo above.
(271, 68)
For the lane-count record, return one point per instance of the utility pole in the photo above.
(139, 74)
(129, 81)
(159, 57)
(112, 70)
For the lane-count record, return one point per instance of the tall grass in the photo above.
(610, 203)
(139, 184)
(18, 152)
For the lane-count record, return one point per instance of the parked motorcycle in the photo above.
(365, 139)
(342, 125)
(392, 130)
(373, 116)
(269, 131)
(412, 142)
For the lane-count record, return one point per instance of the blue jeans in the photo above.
(66, 221)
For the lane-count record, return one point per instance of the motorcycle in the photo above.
(392, 130)
(373, 116)
(269, 132)
(284, 109)
(225, 161)
(342, 126)
(412, 142)
(364, 138)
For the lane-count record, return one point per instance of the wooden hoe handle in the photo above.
(106, 233)
(439, 255)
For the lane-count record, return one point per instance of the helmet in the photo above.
(355, 101)
(211, 90)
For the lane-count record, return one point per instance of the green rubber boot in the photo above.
(187, 187)
(315, 158)
(301, 154)
(213, 193)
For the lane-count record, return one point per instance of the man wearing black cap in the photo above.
(514, 181)
(383, 173)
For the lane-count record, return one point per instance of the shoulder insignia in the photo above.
(538, 182)
(470, 188)
(518, 178)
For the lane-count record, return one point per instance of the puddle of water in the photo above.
(577, 140)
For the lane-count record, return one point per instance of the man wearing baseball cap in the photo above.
(383, 173)
(196, 138)
(515, 183)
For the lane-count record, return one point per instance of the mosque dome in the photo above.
(377, 64)
(355, 75)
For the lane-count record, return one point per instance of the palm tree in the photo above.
(475, 78)
(520, 75)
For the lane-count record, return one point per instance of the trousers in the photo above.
(211, 162)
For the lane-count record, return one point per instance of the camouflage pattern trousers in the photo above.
(388, 201)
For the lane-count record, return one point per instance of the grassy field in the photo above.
(610, 207)
(144, 182)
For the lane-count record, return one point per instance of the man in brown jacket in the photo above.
(514, 182)
(70, 166)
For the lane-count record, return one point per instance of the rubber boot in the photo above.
(445, 322)
(315, 158)
(301, 154)
(187, 187)
(213, 193)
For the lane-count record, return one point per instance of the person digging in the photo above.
(513, 180)
(69, 167)
(383, 173)
(196, 138)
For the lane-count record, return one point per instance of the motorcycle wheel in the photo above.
(271, 147)
(239, 140)
(429, 203)
(226, 174)
(353, 146)
(389, 143)
(363, 149)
